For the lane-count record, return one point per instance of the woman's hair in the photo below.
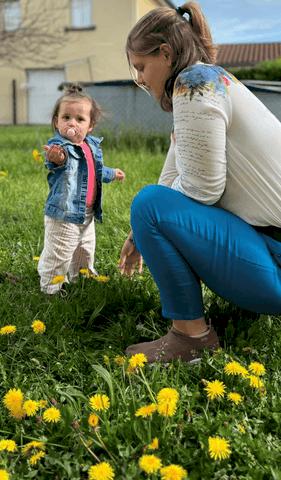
(190, 41)
(75, 92)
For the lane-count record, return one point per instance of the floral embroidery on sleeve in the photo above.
(201, 79)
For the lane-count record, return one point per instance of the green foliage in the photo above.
(269, 70)
(75, 358)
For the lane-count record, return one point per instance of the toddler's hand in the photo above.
(55, 154)
(119, 175)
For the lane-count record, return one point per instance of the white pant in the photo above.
(67, 248)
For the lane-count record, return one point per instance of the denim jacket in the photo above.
(68, 183)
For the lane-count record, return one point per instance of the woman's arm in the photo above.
(169, 172)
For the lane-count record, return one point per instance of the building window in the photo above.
(11, 15)
(82, 13)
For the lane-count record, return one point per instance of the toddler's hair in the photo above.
(190, 41)
(75, 92)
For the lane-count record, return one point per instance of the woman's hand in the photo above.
(129, 258)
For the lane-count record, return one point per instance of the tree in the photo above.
(26, 32)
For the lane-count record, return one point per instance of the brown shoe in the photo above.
(176, 344)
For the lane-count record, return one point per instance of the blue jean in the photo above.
(183, 241)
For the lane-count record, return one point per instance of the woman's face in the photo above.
(153, 70)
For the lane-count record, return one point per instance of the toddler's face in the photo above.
(74, 119)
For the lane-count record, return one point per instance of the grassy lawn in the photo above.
(223, 422)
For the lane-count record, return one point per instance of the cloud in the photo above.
(236, 31)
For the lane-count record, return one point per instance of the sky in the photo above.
(242, 21)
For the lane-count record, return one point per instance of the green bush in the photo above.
(267, 70)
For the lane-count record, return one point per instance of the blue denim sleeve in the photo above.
(107, 174)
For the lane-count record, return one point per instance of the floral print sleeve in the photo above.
(202, 115)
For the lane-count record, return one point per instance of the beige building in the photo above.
(55, 41)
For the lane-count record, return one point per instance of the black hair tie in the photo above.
(181, 11)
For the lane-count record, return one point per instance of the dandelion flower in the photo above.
(235, 398)
(232, 368)
(33, 445)
(13, 398)
(243, 371)
(101, 278)
(8, 330)
(154, 445)
(215, 389)
(167, 395)
(85, 271)
(58, 279)
(106, 360)
(255, 381)
(36, 156)
(30, 407)
(38, 326)
(173, 472)
(120, 360)
(8, 445)
(146, 411)
(138, 360)
(36, 259)
(167, 409)
(102, 471)
(99, 402)
(35, 458)
(219, 448)
(51, 415)
(242, 429)
(129, 371)
(93, 420)
(4, 174)
(150, 463)
(4, 475)
(257, 368)
(42, 403)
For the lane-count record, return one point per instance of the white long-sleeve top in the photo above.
(226, 146)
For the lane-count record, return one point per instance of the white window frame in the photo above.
(11, 15)
(81, 13)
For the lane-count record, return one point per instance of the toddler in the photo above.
(76, 173)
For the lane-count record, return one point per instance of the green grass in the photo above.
(66, 364)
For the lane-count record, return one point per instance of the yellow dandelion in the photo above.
(102, 471)
(8, 330)
(35, 458)
(42, 403)
(146, 411)
(106, 360)
(235, 398)
(150, 463)
(219, 448)
(257, 368)
(215, 389)
(167, 395)
(36, 156)
(232, 368)
(36, 259)
(130, 370)
(38, 326)
(242, 429)
(100, 402)
(101, 278)
(58, 279)
(120, 360)
(4, 475)
(154, 445)
(243, 371)
(60, 354)
(4, 174)
(34, 445)
(255, 381)
(173, 472)
(138, 360)
(85, 271)
(30, 407)
(51, 415)
(17, 412)
(167, 409)
(8, 445)
(93, 420)
(13, 398)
